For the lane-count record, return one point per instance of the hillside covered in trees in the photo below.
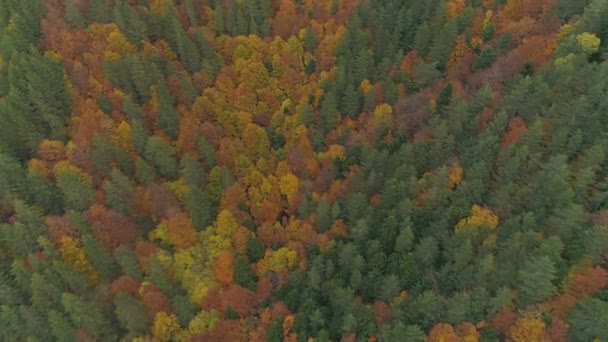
(304, 170)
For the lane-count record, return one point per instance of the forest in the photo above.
(304, 170)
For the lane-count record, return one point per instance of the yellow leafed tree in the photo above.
(277, 260)
(73, 254)
(589, 42)
(166, 327)
(479, 216)
(455, 175)
(289, 185)
(528, 330)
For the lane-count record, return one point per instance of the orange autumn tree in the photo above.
(442, 332)
(223, 267)
(180, 231)
(528, 330)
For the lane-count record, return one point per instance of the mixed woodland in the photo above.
(304, 170)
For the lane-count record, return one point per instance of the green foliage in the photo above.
(85, 315)
(131, 314)
(127, 261)
(162, 155)
(588, 320)
(485, 59)
(243, 274)
(484, 190)
(536, 280)
(100, 258)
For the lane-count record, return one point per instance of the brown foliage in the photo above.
(155, 302)
(143, 251)
(558, 331)
(562, 304)
(349, 338)
(410, 113)
(125, 284)
(266, 232)
(503, 320)
(51, 151)
(442, 332)
(467, 332)
(180, 231)
(111, 228)
(58, 227)
(517, 128)
(225, 330)
(91, 121)
(223, 267)
(188, 134)
(588, 282)
(296, 158)
(162, 201)
(286, 20)
(263, 290)
(381, 312)
(213, 299)
(238, 298)
(279, 309)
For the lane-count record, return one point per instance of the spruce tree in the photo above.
(168, 119)
(127, 261)
(85, 315)
(60, 326)
(100, 258)
(162, 155)
(131, 313)
(120, 193)
(310, 40)
(141, 81)
(351, 101)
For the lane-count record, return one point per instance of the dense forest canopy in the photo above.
(301, 170)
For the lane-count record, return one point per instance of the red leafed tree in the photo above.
(238, 298)
(162, 201)
(562, 304)
(111, 228)
(231, 199)
(58, 227)
(517, 128)
(263, 290)
(558, 330)
(267, 213)
(226, 330)
(285, 22)
(143, 251)
(266, 233)
(503, 320)
(588, 282)
(213, 299)
(279, 309)
(125, 284)
(296, 158)
(155, 302)
(93, 121)
(188, 134)
(381, 312)
(349, 338)
(223, 267)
